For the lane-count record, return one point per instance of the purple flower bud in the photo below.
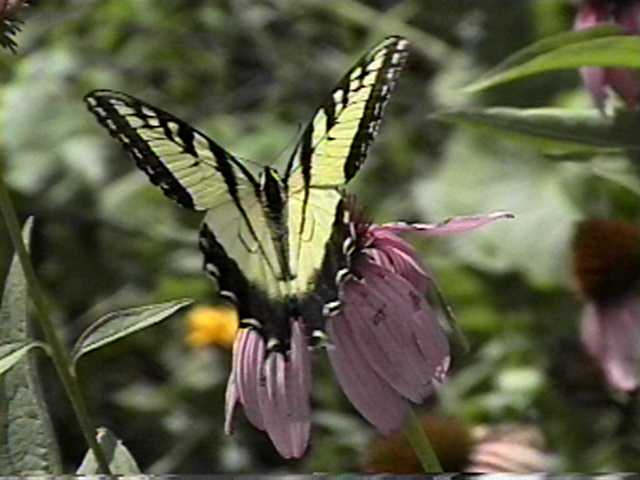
(600, 81)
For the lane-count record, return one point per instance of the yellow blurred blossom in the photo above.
(212, 326)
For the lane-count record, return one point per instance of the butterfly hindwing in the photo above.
(188, 166)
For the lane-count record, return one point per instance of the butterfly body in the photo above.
(273, 243)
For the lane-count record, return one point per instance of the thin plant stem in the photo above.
(58, 352)
(420, 443)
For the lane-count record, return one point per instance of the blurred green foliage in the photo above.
(250, 73)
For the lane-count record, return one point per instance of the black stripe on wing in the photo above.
(394, 52)
(130, 120)
(394, 61)
(270, 317)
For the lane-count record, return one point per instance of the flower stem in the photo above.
(57, 350)
(420, 442)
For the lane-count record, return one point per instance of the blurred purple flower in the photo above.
(385, 341)
(389, 347)
(607, 270)
(624, 82)
(514, 448)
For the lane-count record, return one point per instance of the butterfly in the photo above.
(273, 241)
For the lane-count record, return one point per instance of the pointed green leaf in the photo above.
(117, 325)
(27, 441)
(120, 460)
(545, 45)
(11, 353)
(612, 51)
(619, 170)
(560, 129)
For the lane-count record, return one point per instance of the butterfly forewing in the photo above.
(332, 149)
(188, 166)
(196, 172)
(335, 142)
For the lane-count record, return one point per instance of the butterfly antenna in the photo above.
(281, 159)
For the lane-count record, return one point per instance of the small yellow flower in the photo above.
(212, 326)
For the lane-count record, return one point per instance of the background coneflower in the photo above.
(513, 448)
(606, 264)
(600, 81)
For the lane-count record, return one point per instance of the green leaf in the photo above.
(546, 45)
(558, 129)
(117, 325)
(120, 460)
(612, 51)
(11, 353)
(619, 170)
(27, 441)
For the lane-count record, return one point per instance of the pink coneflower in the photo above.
(389, 347)
(624, 82)
(385, 341)
(460, 447)
(607, 270)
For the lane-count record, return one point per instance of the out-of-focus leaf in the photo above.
(12, 352)
(562, 129)
(618, 170)
(483, 175)
(117, 325)
(120, 460)
(60, 149)
(613, 51)
(543, 46)
(27, 441)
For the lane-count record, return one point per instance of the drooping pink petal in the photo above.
(230, 400)
(395, 254)
(283, 395)
(298, 389)
(272, 394)
(232, 394)
(249, 370)
(600, 81)
(426, 342)
(374, 398)
(591, 14)
(451, 226)
(365, 318)
(611, 333)
(591, 332)
(501, 456)
(625, 83)
(594, 79)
